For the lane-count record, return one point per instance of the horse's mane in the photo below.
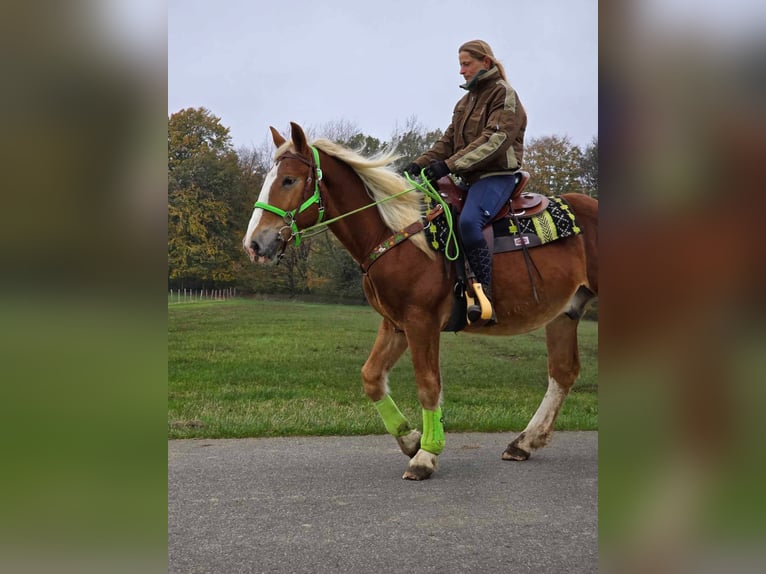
(382, 182)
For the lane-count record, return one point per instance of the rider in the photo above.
(483, 145)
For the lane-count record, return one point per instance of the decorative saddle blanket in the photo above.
(557, 221)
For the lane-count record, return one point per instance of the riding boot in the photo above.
(480, 260)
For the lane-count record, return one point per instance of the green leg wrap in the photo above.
(433, 431)
(394, 420)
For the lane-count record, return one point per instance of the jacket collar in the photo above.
(481, 77)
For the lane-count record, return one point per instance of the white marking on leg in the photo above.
(255, 219)
(539, 429)
(421, 466)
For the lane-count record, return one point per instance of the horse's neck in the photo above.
(361, 232)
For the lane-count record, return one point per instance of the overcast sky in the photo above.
(256, 63)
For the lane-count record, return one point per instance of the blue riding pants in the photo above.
(483, 201)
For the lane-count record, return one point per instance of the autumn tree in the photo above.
(412, 140)
(203, 187)
(589, 169)
(196, 239)
(554, 164)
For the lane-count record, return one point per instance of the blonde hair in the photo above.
(479, 49)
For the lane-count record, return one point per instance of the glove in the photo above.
(413, 170)
(435, 171)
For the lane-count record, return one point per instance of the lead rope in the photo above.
(428, 190)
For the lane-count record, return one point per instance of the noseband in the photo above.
(289, 216)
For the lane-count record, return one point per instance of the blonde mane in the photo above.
(382, 182)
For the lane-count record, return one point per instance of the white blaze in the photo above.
(255, 219)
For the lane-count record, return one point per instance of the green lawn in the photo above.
(245, 368)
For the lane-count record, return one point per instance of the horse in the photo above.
(411, 286)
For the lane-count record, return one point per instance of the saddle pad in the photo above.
(556, 222)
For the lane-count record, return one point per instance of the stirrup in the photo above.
(479, 309)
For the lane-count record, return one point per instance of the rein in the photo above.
(319, 224)
(316, 197)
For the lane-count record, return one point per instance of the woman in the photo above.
(484, 146)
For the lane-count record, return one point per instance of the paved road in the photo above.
(338, 504)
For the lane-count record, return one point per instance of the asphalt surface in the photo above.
(338, 504)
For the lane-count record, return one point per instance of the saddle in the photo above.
(521, 204)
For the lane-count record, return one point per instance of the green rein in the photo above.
(289, 216)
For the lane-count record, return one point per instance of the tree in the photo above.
(333, 272)
(412, 141)
(200, 153)
(589, 169)
(196, 239)
(203, 197)
(554, 164)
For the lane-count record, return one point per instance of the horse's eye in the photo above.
(289, 181)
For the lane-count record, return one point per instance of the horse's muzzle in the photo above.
(263, 246)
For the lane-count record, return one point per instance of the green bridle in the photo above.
(289, 216)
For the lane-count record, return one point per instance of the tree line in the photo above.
(212, 188)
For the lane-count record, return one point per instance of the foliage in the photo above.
(196, 240)
(412, 141)
(590, 169)
(335, 275)
(203, 185)
(554, 164)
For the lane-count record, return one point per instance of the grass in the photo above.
(245, 368)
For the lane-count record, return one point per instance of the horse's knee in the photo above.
(373, 383)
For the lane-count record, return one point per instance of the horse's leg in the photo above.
(389, 346)
(563, 368)
(424, 347)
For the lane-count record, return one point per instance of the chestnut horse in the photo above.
(411, 287)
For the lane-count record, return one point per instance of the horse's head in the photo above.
(288, 200)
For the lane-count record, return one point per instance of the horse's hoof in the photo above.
(515, 453)
(422, 466)
(409, 443)
(409, 475)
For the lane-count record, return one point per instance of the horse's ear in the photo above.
(277, 137)
(299, 140)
